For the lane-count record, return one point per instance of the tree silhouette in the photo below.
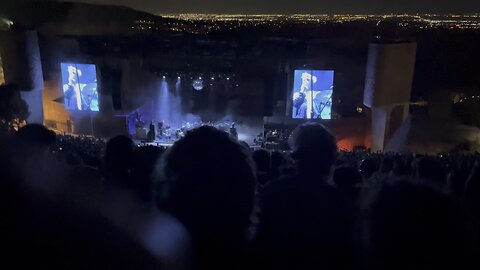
(13, 109)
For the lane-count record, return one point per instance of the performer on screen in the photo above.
(322, 104)
(302, 99)
(71, 90)
(311, 104)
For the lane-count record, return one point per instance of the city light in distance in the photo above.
(206, 23)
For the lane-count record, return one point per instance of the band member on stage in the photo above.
(151, 132)
(233, 131)
(160, 129)
(178, 134)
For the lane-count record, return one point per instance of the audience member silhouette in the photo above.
(348, 181)
(304, 222)
(456, 175)
(34, 157)
(472, 191)
(144, 160)
(430, 171)
(36, 135)
(400, 166)
(117, 162)
(413, 226)
(278, 162)
(263, 165)
(43, 224)
(210, 185)
(368, 167)
(387, 164)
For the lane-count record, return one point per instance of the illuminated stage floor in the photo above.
(154, 143)
(170, 143)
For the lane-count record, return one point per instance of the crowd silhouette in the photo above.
(210, 202)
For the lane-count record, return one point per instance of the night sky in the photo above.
(298, 6)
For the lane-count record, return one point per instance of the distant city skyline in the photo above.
(297, 6)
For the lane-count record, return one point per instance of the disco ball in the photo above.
(197, 84)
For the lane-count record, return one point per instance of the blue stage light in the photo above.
(198, 84)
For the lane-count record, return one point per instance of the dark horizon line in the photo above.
(340, 13)
(158, 13)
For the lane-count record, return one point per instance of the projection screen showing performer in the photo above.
(80, 87)
(312, 94)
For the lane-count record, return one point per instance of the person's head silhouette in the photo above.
(368, 167)
(262, 159)
(118, 156)
(314, 149)
(36, 135)
(210, 184)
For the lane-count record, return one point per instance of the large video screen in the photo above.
(312, 94)
(80, 87)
